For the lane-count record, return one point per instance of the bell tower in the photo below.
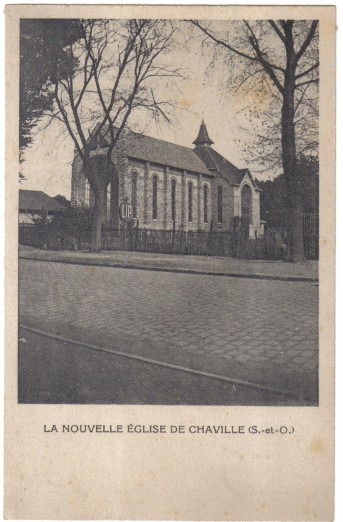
(203, 139)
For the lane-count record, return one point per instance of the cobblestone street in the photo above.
(259, 324)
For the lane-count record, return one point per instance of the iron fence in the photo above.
(233, 243)
(168, 241)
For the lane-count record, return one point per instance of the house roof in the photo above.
(25, 219)
(215, 161)
(38, 200)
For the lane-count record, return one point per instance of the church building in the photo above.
(168, 185)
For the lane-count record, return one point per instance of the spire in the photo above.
(203, 138)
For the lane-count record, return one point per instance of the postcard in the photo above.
(170, 244)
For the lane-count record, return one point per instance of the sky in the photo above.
(47, 164)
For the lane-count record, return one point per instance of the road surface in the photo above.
(261, 330)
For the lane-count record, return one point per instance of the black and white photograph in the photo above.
(169, 212)
(169, 262)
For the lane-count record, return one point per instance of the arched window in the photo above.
(108, 203)
(205, 204)
(87, 193)
(173, 200)
(220, 204)
(190, 202)
(134, 194)
(246, 203)
(154, 197)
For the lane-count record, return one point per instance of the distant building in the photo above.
(34, 204)
(170, 185)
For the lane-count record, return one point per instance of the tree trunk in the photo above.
(97, 221)
(295, 232)
(294, 198)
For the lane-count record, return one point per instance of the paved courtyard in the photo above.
(260, 325)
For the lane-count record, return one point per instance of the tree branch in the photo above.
(315, 80)
(307, 40)
(315, 66)
(277, 30)
(267, 66)
(224, 44)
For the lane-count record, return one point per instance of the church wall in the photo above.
(237, 201)
(256, 208)
(205, 181)
(177, 176)
(158, 172)
(227, 204)
(145, 173)
(191, 180)
(136, 168)
(255, 226)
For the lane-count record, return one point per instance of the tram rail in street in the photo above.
(169, 366)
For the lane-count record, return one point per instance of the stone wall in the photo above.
(228, 210)
(255, 225)
(121, 192)
(145, 174)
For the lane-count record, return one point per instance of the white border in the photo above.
(339, 205)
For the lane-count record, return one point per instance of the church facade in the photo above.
(168, 185)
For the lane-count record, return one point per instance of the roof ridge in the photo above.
(166, 141)
(32, 190)
(138, 135)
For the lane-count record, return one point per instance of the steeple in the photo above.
(203, 139)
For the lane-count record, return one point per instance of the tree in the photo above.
(63, 200)
(281, 57)
(119, 65)
(273, 195)
(65, 229)
(42, 55)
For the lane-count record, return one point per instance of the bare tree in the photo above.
(281, 58)
(118, 66)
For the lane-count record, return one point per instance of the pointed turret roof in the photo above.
(203, 137)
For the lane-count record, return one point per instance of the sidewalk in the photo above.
(223, 266)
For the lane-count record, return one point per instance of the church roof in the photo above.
(203, 159)
(153, 150)
(215, 161)
(37, 200)
(203, 137)
(164, 153)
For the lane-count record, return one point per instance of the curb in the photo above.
(110, 264)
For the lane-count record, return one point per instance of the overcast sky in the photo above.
(47, 164)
